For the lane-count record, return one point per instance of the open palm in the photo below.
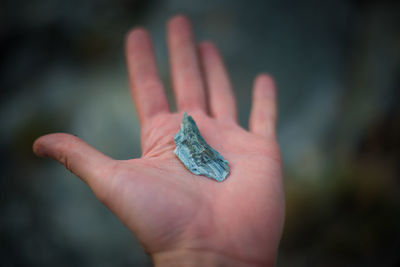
(172, 212)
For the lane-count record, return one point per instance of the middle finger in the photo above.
(186, 75)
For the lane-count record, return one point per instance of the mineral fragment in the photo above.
(196, 154)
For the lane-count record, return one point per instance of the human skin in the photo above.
(179, 218)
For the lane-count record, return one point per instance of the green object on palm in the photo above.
(197, 156)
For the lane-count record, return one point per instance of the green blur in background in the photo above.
(337, 66)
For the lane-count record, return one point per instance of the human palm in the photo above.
(173, 212)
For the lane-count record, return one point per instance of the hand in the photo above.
(180, 218)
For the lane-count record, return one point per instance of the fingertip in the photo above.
(38, 148)
(43, 145)
(178, 19)
(264, 85)
(179, 24)
(264, 79)
(136, 34)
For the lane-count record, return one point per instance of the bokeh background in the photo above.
(337, 65)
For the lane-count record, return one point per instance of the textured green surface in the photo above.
(196, 154)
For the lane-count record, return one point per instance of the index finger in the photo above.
(146, 87)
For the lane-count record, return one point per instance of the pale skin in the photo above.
(179, 218)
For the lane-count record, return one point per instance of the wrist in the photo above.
(196, 258)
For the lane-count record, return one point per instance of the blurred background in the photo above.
(337, 65)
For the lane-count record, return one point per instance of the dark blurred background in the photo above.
(337, 65)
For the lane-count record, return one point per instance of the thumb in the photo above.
(92, 166)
